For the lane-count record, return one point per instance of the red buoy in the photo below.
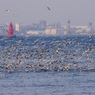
(10, 31)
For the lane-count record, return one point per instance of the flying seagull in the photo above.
(47, 7)
(15, 15)
(7, 10)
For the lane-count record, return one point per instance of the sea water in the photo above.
(50, 65)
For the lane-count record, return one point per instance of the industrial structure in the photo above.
(67, 32)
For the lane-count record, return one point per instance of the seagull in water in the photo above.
(47, 7)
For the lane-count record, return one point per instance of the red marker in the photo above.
(11, 31)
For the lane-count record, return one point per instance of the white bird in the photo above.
(47, 7)
(15, 15)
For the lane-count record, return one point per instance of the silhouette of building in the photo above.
(42, 24)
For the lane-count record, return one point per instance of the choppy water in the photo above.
(47, 65)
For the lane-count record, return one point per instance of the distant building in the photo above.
(68, 32)
(90, 24)
(54, 31)
(35, 25)
(32, 32)
(48, 31)
(42, 24)
(59, 25)
(17, 27)
(56, 25)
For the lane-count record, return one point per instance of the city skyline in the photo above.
(79, 12)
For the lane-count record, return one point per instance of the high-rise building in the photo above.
(90, 24)
(58, 25)
(42, 24)
(17, 27)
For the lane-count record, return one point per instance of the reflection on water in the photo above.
(47, 65)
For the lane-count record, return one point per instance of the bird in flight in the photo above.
(47, 7)
(7, 10)
(15, 15)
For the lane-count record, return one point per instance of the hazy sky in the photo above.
(80, 12)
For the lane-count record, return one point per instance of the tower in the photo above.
(68, 26)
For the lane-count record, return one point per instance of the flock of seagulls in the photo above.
(28, 55)
(17, 55)
(16, 15)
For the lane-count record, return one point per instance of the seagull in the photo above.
(7, 10)
(15, 15)
(47, 7)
